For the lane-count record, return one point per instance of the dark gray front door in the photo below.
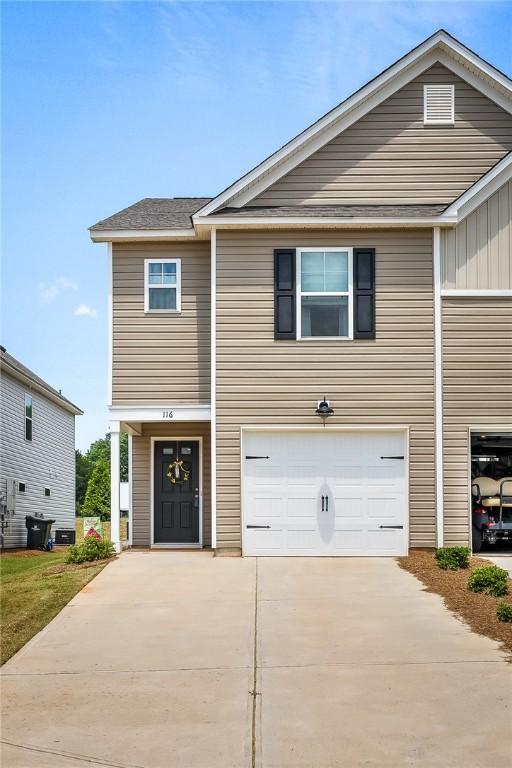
(176, 504)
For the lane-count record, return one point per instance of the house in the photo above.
(367, 263)
(37, 452)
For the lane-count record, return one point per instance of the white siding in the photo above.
(47, 461)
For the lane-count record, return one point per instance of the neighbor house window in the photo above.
(28, 417)
(324, 306)
(22, 487)
(47, 492)
(162, 285)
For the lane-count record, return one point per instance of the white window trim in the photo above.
(30, 418)
(426, 120)
(349, 293)
(147, 310)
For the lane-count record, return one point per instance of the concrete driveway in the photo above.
(184, 660)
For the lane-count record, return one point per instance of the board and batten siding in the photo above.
(477, 253)
(387, 381)
(160, 358)
(477, 392)
(391, 157)
(47, 461)
(141, 469)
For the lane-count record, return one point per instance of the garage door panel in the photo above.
(363, 492)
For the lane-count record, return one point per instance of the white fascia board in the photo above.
(320, 221)
(118, 235)
(357, 105)
(481, 189)
(166, 413)
(34, 386)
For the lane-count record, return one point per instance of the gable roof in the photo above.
(10, 365)
(441, 46)
(154, 213)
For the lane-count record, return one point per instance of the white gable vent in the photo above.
(438, 104)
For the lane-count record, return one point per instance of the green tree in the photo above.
(100, 449)
(97, 496)
(83, 469)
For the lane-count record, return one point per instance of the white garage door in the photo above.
(318, 493)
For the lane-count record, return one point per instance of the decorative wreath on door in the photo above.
(178, 472)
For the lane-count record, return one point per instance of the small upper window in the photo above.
(438, 104)
(324, 307)
(28, 417)
(162, 285)
(47, 491)
(22, 487)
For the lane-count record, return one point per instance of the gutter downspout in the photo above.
(438, 388)
(213, 381)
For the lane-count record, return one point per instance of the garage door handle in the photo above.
(257, 526)
(401, 458)
(391, 526)
(257, 457)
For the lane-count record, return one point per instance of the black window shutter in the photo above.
(364, 293)
(284, 293)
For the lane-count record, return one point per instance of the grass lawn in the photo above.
(29, 599)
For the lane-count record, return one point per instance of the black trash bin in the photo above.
(38, 531)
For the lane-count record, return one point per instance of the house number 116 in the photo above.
(167, 415)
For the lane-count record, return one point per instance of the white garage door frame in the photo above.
(402, 428)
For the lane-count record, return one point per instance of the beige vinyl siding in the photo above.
(141, 466)
(477, 378)
(161, 358)
(390, 156)
(477, 254)
(388, 381)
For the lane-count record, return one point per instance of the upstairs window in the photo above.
(324, 306)
(162, 285)
(438, 104)
(28, 418)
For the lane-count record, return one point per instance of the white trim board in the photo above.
(439, 47)
(167, 412)
(467, 293)
(213, 384)
(481, 190)
(164, 545)
(438, 387)
(119, 235)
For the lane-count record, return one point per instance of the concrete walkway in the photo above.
(175, 660)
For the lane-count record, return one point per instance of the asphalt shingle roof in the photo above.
(154, 213)
(339, 211)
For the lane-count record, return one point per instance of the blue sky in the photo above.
(105, 103)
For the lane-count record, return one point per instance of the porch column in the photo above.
(115, 503)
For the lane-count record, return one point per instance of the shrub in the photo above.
(90, 549)
(97, 495)
(490, 580)
(504, 612)
(452, 558)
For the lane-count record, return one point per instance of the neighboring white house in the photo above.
(37, 452)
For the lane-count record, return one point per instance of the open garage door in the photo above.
(326, 493)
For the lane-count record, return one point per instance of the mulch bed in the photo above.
(476, 610)
(65, 567)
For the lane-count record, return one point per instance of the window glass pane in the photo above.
(312, 271)
(336, 271)
(155, 274)
(28, 429)
(324, 316)
(28, 406)
(324, 271)
(162, 298)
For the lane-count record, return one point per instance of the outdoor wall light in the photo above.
(324, 409)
